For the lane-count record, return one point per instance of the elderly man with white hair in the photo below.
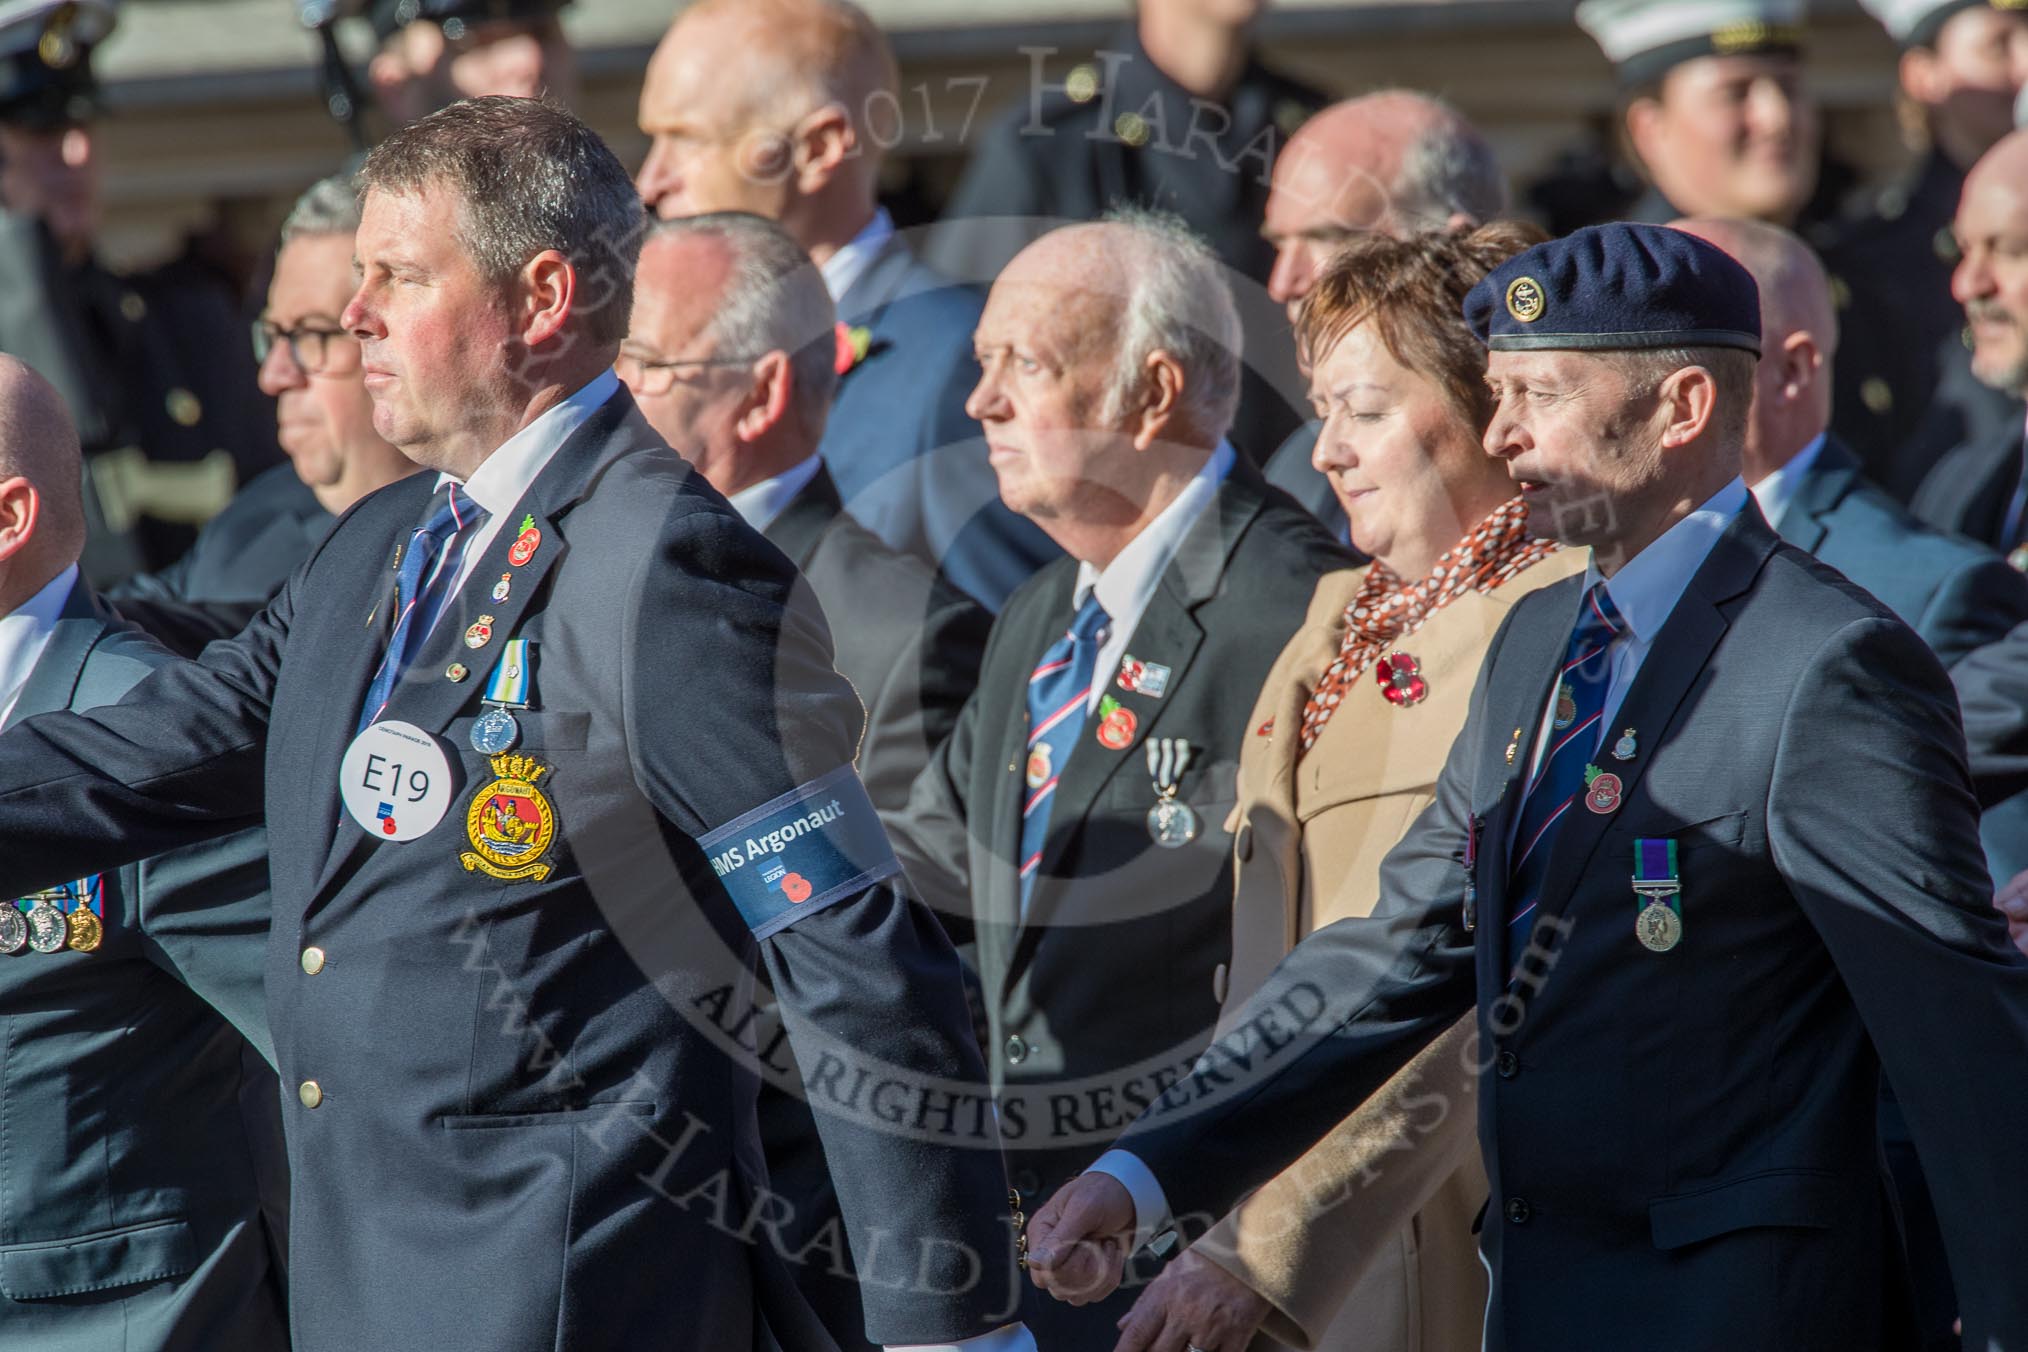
(1073, 827)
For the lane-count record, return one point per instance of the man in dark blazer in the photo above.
(1976, 489)
(310, 367)
(1102, 928)
(709, 288)
(549, 755)
(1692, 923)
(142, 1203)
(905, 457)
(1957, 595)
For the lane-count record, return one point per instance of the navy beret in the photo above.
(1616, 287)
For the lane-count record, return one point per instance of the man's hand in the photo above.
(1194, 1303)
(1078, 1242)
(2013, 903)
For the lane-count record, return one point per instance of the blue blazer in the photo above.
(1682, 1144)
(909, 463)
(521, 1110)
(142, 1201)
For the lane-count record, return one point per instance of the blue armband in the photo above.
(800, 852)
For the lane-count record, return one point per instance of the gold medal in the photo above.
(1658, 927)
(85, 929)
(510, 824)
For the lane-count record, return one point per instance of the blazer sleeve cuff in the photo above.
(1007, 1338)
(1151, 1204)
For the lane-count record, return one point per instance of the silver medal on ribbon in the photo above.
(13, 928)
(48, 932)
(1171, 823)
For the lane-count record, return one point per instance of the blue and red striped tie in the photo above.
(1058, 691)
(428, 566)
(1574, 740)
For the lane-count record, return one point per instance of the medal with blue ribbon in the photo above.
(1660, 889)
(512, 687)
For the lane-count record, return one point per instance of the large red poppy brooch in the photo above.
(1400, 678)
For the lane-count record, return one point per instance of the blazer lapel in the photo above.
(52, 683)
(1675, 662)
(1167, 633)
(1831, 477)
(801, 525)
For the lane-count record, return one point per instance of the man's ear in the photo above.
(1159, 392)
(20, 509)
(1802, 364)
(548, 296)
(1921, 76)
(1688, 400)
(767, 403)
(821, 143)
(1644, 129)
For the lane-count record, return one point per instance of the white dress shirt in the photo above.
(1645, 591)
(1127, 584)
(499, 483)
(504, 476)
(849, 264)
(25, 633)
(761, 503)
(1775, 492)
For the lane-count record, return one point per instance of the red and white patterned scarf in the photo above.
(1388, 609)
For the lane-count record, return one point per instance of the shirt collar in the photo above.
(1776, 491)
(845, 267)
(761, 503)
(1648, 585)
(504, 476)
(25, 633)
(1125, 584)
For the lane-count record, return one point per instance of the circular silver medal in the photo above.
(495, 731)
(1172, 824)
(48, 932)
(1658, 927)
(13, 928)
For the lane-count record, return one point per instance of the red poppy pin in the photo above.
(854, 342)
(1400, 679)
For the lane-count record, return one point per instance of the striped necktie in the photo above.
(1058, 690)
(428, 567)
(1560, 779)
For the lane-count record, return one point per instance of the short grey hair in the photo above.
(1449, 170)
(1732, 370)
(528, 176)
(1177, 301)
(775, 301)
(330, 206)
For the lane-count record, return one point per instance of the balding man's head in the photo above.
(772, 107)
(1991, 277)
(1110, 368)
(42, 526)
(1396, 162)
(1799, 336)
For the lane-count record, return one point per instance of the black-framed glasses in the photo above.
(643, 376)
(318, 351)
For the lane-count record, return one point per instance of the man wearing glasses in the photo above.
(310, 366)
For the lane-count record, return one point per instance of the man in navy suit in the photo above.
(324, 420)
(551, 754)
(1704, 858)
(782, 108)
(1958, 595)
(142, 1204)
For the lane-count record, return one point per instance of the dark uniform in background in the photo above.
(156, 367)
(1119, 131)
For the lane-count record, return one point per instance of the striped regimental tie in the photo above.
(428, 566)
(1560, 784)
(1058, 690)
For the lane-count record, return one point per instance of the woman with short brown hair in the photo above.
(1346, 742)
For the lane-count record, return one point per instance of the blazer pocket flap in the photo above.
(1791, 1199)
(147, 1252)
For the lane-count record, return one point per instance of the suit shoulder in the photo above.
(931, 303)
(1813, 597)
(1286, 534)
(889, 588)
(121, 659)
(1917, 545)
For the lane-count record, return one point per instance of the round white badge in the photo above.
(396, 781)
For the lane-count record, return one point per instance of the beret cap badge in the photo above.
(1525, 299)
